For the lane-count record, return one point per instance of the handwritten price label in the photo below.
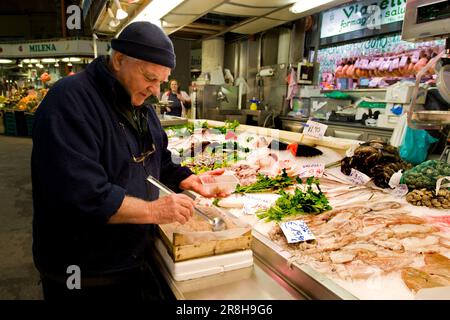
(314, 129)
(311, 170)
(296, 231)
(358, 178)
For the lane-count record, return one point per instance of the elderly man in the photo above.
(94, 144)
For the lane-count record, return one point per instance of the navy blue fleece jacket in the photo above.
(82, 170)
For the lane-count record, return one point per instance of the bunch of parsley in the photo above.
(308, 202)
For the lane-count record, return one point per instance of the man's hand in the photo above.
(172, 208)
(194, 183)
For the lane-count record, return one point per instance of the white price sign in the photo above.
(359, 178)
(314, 129)
(311, 170)
(296, 231)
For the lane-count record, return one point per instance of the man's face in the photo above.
(141, 79)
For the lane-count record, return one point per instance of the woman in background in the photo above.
(180, 99)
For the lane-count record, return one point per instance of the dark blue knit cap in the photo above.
(145, 41)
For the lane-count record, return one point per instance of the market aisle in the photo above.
(18, 276)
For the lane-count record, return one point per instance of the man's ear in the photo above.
(117, 60)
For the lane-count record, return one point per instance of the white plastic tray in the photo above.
(201, 267)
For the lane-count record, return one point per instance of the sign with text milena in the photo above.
(359, 15)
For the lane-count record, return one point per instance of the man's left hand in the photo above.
(194, 183)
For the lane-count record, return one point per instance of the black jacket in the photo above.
(81, 166)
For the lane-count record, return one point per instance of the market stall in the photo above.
(374, 235)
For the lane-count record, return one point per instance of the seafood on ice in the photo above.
(359, 242)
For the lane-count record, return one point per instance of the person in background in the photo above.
(95, 142)
(180, 99)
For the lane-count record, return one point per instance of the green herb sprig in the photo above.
(301, 202)
(267, 184)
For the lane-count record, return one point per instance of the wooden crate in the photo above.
(180, 249)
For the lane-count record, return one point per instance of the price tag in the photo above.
(400, 191)
(358, 178)
(311, 170)
(314, 129)
(296, 231)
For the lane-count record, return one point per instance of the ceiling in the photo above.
(203, 19)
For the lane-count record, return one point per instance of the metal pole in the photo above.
(94, 44)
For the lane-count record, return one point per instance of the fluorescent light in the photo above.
(74, 59)
(65, 59)
(5, 61)
(34, 61)
(302, 5)
(69, 64)
(157, 9)
(48, 60)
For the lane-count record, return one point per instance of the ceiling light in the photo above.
(5, 61)
(157, 9)
(30, 65)
(65, 59)
(302, 6)
(34, 61)
(56, 64)
(74, 59)
(26, 60)
(120, 13)
(48, 60)
(20, 65)
(69, 64)
(114, 23)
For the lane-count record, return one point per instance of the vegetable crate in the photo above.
(10, 123)
(29, 119)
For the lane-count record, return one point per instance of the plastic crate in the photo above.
(10, 123)
(29, 118)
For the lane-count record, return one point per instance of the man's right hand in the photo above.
(172, 208)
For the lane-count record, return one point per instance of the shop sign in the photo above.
(52, 49)
(364, 14)
(42, 47)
